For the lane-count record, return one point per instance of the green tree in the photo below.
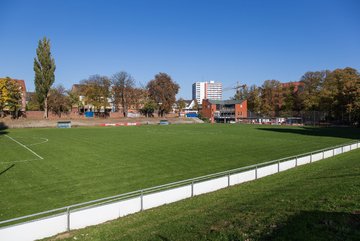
(74, 99)
(162, 90)
(312, 85)
(59, 101)
(96, 90)
(44, 67)
(181, 104)
(254, 100)
(341, 95)
(148, 108)
(10, 96)
(271, 97)
(291, 101)
(32, 102)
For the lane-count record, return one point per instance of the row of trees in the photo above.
(120, 91)
(335, 92)
(59, 101)
(98, 91)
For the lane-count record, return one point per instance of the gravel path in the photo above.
(27, 123)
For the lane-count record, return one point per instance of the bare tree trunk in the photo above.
(124, 110)
(46, 114)
(123, 104)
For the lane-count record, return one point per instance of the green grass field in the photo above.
(83, 164)
(316, 202)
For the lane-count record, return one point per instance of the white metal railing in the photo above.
(104, 209)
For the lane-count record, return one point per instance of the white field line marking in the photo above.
(44, 141)
(10, 162)
(25, 147)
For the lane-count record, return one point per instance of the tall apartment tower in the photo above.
(207, 90)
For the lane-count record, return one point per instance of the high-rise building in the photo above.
(207, 90)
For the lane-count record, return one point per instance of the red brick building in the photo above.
(297, 85)
(224, 111)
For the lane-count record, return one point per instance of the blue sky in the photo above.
(191, 40)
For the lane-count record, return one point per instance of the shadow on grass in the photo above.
(163, 238)
(337, 176)
(7, 169)
(317, 225)
(3, 127)
(349, 133)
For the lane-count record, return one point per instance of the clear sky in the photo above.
(191, 40)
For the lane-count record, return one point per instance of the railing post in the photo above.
(68, 219)
(256, 172)
(311, 157)
(142, 201)
(296, 161)
(333, 152)
(192, 188)
(342, 149)
(323, 155)
(229, 179)
(278, 166)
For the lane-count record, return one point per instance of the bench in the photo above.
(64, 124)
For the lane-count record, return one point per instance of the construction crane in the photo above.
(237, 87)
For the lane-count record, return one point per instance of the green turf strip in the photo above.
(319, 201)
(82, 164)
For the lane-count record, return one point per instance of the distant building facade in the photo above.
(22, 87)
(83, 105)
(224, 111)
(207, 90)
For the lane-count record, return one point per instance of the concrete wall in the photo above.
(242, 177)
(35, 230)
(39, 115)
(287, 165)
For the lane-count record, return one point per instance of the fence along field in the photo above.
(323, 209)
(98, 211)
(83, 164)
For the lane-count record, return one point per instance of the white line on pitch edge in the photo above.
(24, 147)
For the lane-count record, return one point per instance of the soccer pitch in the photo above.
(42, 169)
